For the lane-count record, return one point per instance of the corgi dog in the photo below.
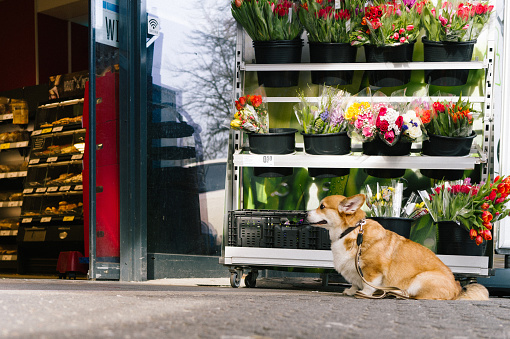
(387, 259)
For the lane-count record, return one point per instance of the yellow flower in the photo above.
(235, 123)
(354, 110)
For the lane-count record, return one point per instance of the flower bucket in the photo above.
(453, 239)
(379, 147)
(323, 52)
(442, 146)
(278, 52)
(398, 53)
(277, 141)
(401, 226)
(450, 51)
(327, 144)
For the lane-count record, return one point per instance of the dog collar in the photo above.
(350, 229)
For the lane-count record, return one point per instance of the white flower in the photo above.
(414, 132)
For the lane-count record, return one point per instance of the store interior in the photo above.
(42, 87)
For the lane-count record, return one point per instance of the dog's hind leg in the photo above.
(433, 285)
(375, 280)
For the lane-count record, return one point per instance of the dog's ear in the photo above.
(352, 204)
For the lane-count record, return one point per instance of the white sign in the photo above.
(107, 32)
(152, 24)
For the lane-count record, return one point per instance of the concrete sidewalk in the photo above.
(210, 308)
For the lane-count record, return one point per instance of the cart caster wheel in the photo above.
(235, 279)
(251, 280)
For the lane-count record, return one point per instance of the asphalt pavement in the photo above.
(210, 308)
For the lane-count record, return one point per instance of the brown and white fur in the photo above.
(387, 259)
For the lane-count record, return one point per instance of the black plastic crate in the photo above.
(271, 228)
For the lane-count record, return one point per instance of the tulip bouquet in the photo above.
(476, 207)
(267, 21)
(251, 115)
(450, 119)
(454, 20)
(326, 117)
(388, 23)
(327, 20)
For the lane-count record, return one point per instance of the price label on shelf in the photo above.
(6, 257)
(64, 188)
(52, 159)
(23, 173)
(26, 220)
(58, 128)
(34, 161)
(6, 116)
(52, 189)
(46, 219)
(5, 146)
(12, 175)
(14, 204)
(28, 190)
(46, 130)
(69, 218)
(40, 190)
(4, 233)
(77, 157)
(78, 188)
(38, 132)
(2, 175)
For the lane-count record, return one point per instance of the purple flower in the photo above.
(409, 3)
(324, 116)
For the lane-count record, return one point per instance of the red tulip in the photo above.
(238, 3)
(487, 225)
(487, 235)
(492, 195)
(472, 233)
(485, 205)
(479, 239)
(486, 216)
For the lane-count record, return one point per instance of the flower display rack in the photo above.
(239, 258)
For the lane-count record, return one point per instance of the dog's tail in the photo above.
(474, 292)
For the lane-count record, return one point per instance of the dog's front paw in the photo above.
(350, 291)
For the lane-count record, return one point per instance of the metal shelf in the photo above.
(364, 66)
(354, 160)
(270, 257)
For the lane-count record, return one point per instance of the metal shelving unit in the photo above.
(252, 259)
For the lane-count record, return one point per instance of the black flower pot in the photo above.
(451, 51)
(277, 141)
(398, 53)
(401, 226)
(278, 52)
(323, 52)
(379, 147)
(453, 239)
(442, 146)
(327, 144)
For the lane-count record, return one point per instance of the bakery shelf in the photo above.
(9, 175)
(4, 204)
(8, 116)
(8, 233)
(11, 145)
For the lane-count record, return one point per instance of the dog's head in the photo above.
(337, 211)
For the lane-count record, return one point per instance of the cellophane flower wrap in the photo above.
(251, 115)
(385, 200)
(268, 21)
(451, 119)
(360, 117)
(327, 20)
(454, 20)
(388, 23)
(476, 207)
(327, 116)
